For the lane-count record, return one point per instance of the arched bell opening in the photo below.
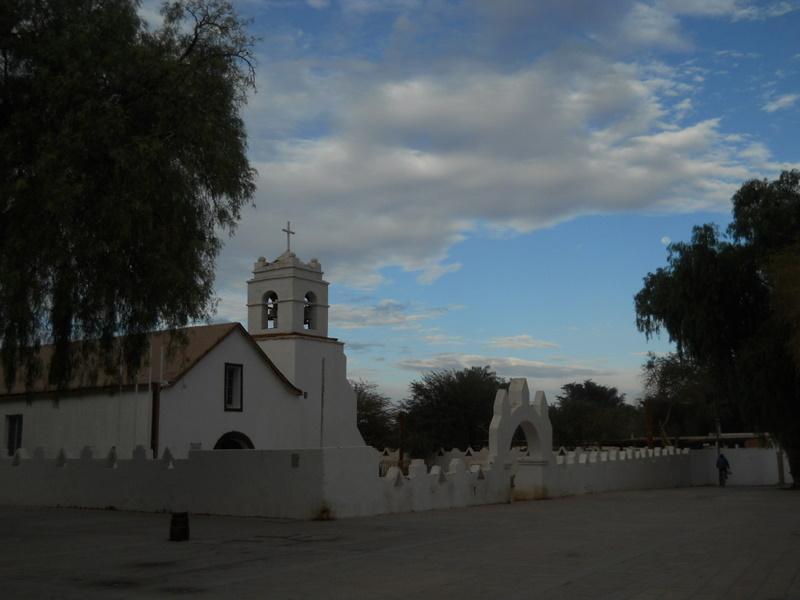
(234, 440)
(310, 311)
(270, 315)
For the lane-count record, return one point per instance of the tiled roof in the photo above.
(177, 353)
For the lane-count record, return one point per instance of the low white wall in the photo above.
(749, 466)
(625, 470)
(303, 484)
(437, 488)
(344, 482)
(236, 482)
(641, 468)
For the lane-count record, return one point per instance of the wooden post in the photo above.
(401, 421)
(648, 421)
(154, 417)
(322, 408)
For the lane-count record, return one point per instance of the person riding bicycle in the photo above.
(723, 466)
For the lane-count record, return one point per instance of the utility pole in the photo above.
(401, 421)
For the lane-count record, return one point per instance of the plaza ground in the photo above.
(684, 543)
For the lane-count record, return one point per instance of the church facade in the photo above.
(279, 384)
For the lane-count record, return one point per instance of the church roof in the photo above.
(181, 352)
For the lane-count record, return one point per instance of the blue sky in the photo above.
(487, 182)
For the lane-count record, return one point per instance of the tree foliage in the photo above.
(680, 391)
(729, 303)
(123, 158)
(376, 415)
(590, 413)
(450, 409)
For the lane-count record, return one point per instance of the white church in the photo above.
(276, 396)
(280, 384)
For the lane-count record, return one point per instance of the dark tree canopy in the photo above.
(375, 416)
(450, 409)
(730, 305)
(123, 158)
(590, 413)
(681, 393)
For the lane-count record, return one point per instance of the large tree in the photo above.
(728, 302)
(123, 160)
(591, 413)
(680, 392)
(376, 415)
(450, 409)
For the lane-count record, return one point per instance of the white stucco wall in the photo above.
(749, 466)
(332, 481)
(300, 359)
(303, 484)
(102, 420)
(344, 482)
(272, 416)
(192, 409)
(236, 482)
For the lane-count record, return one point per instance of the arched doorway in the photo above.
(516, 417)
(529, 440)
(234, 440)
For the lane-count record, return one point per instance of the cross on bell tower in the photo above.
(289, 232)
(287, 295)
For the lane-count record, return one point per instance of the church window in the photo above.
(270, 311)
(13, 433)
(309, 310)
(233, 386)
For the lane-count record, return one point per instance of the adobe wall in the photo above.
(236, 482)
(301, 484)
(346, 481)
(102, 420)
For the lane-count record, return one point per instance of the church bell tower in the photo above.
(287, 296)
(287, 316)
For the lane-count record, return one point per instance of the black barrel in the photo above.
(179, 527)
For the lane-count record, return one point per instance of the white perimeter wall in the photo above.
(634, 469)
(749, 466)
(344, 482)
(236, 482)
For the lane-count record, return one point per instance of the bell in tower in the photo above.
(287, 295)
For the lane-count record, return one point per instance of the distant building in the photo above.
(280, 384)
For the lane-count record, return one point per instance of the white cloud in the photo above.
(386, 313)
(736, 54)
(781, 102)
(736, 10)
(439, 339)
(390, 165)
(666, 240)
(682, 109)
(651, 25)
(520, 341)
(507, 366)
(362, 346)
(434, 271)
(372, 6)
(416, 163)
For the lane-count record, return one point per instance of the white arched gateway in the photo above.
(512, 410)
